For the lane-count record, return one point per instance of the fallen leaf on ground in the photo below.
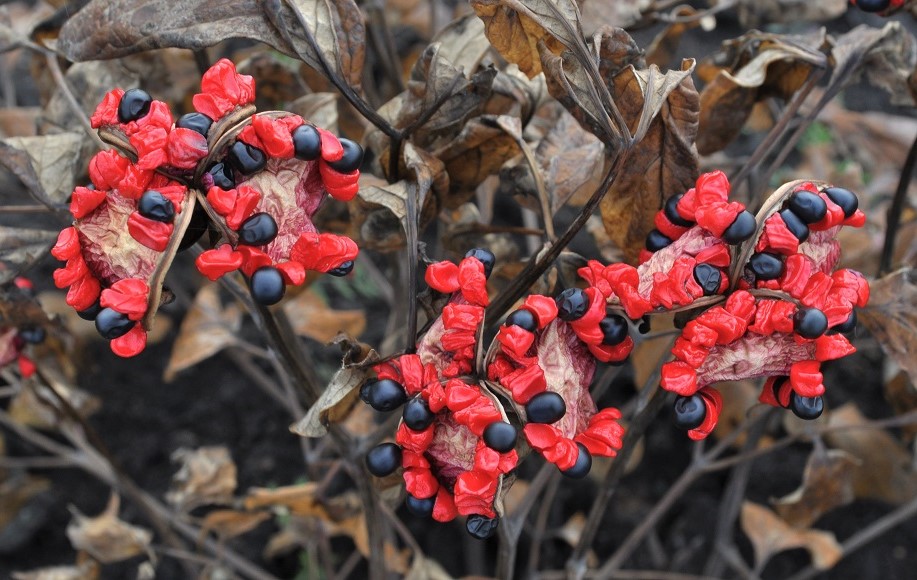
(107, 538)
(891, 317)
(827, 483)
(770, 535)
(207, 476)
(207, 328)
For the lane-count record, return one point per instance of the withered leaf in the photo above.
(312, 317)
(771, 535)
(207, 329)
(337, 400)
(423, 568)
(891, 317)
(515, 28)
(827, 483)
(571, 160)
(46, 165)
(748, 70)
(754, 13)
(207, 476)
(477, 152)
(88, 570)
(885, 57)
(231, 523)
(885, 470)
(37, 407)
(463, 43)
(17, 489)
(662, 50)
(20, 248)
(107, 538)
(662, 110)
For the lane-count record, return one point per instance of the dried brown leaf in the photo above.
(207, 476)
(17, 489)
(18, 121)
(771, 535)
(37, 407)
(20, 248)
(662, 50)
(46, 165)
(88, 570)
(477, 152)
(754, 13)
(885, 57)
(571, 161)
(891, 317)
(827, 483)
(207, 329)
(107, 538)
(663, 113)
(423, 568)
(232, 523)
(311, 317)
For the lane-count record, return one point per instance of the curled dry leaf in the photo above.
(885, 469)
(207, 476)
(107, 538)
(88, 570)
(891, 317)
(885, 57)
(754, 13)
(423, 568)
(311, 317)
(231, 523)
(771, 535)
(37, 407)
(208, 328)
(478, 151)
(747, 70)
(20, 248)
(827, 483)
(46, 165)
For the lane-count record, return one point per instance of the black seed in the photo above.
(486, 257)
(32, 334)
(91, 312)
(383, 459)
(422, 508)
(808, 207)
(222, 176)
(671, 212)
(500, 436)
(481, 527)
(155, 206)
(343, 269)
(847, 326)
(523, 318)
(196, 228)
(582, 466)
(572, 304)
(844, 198)
(810, 322)
(873, 5)
(383, 395)
(197, 122)
(795, 225)
(546, 407)
(766, 266)
(417, 414)
(741, 228)
(307, 143)
(708, 278)
(267, 285)
(644, 327)
(807, 408)
(656, 240)
(258, 230)
(246, 159)
(111, 324)
(352, 159)
(614, 329)
(690, 412)
(135, 103)
(778, 384)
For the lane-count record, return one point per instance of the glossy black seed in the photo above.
(222, 176)
(847, 326)
(155, 206)
(267, 285)
(546, 407)
(572, 304)
(500, 436)
(766, 266)
(807, 408)
(383, 395)
(196, 228)
(91, 312)
(873, 5)
(582, 466)
(417, 415)
(741, 228)
(671, 212)
(246, 159)
(112, 324)
(796, 226)
(645, 326)
(197, 122)
(808, 207)
(846, 199)
(135, 103)
(422, 508)
(614, 329)
(778, 384)
(383, 459)
(486, 257)
(810, 322)
(352, 159)
(708, 278)
(32, 334)
(343, 269)
(656, 240)
(258, 230)
(523, 318)
(307, 143)
(481, 527)
(690, 412)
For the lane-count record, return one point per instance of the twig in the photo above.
(541, 522)
(54, 67)
(893, 216)
(511, 527)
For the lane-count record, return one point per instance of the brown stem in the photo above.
(893, 216)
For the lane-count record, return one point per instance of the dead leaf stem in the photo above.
(893, 216)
